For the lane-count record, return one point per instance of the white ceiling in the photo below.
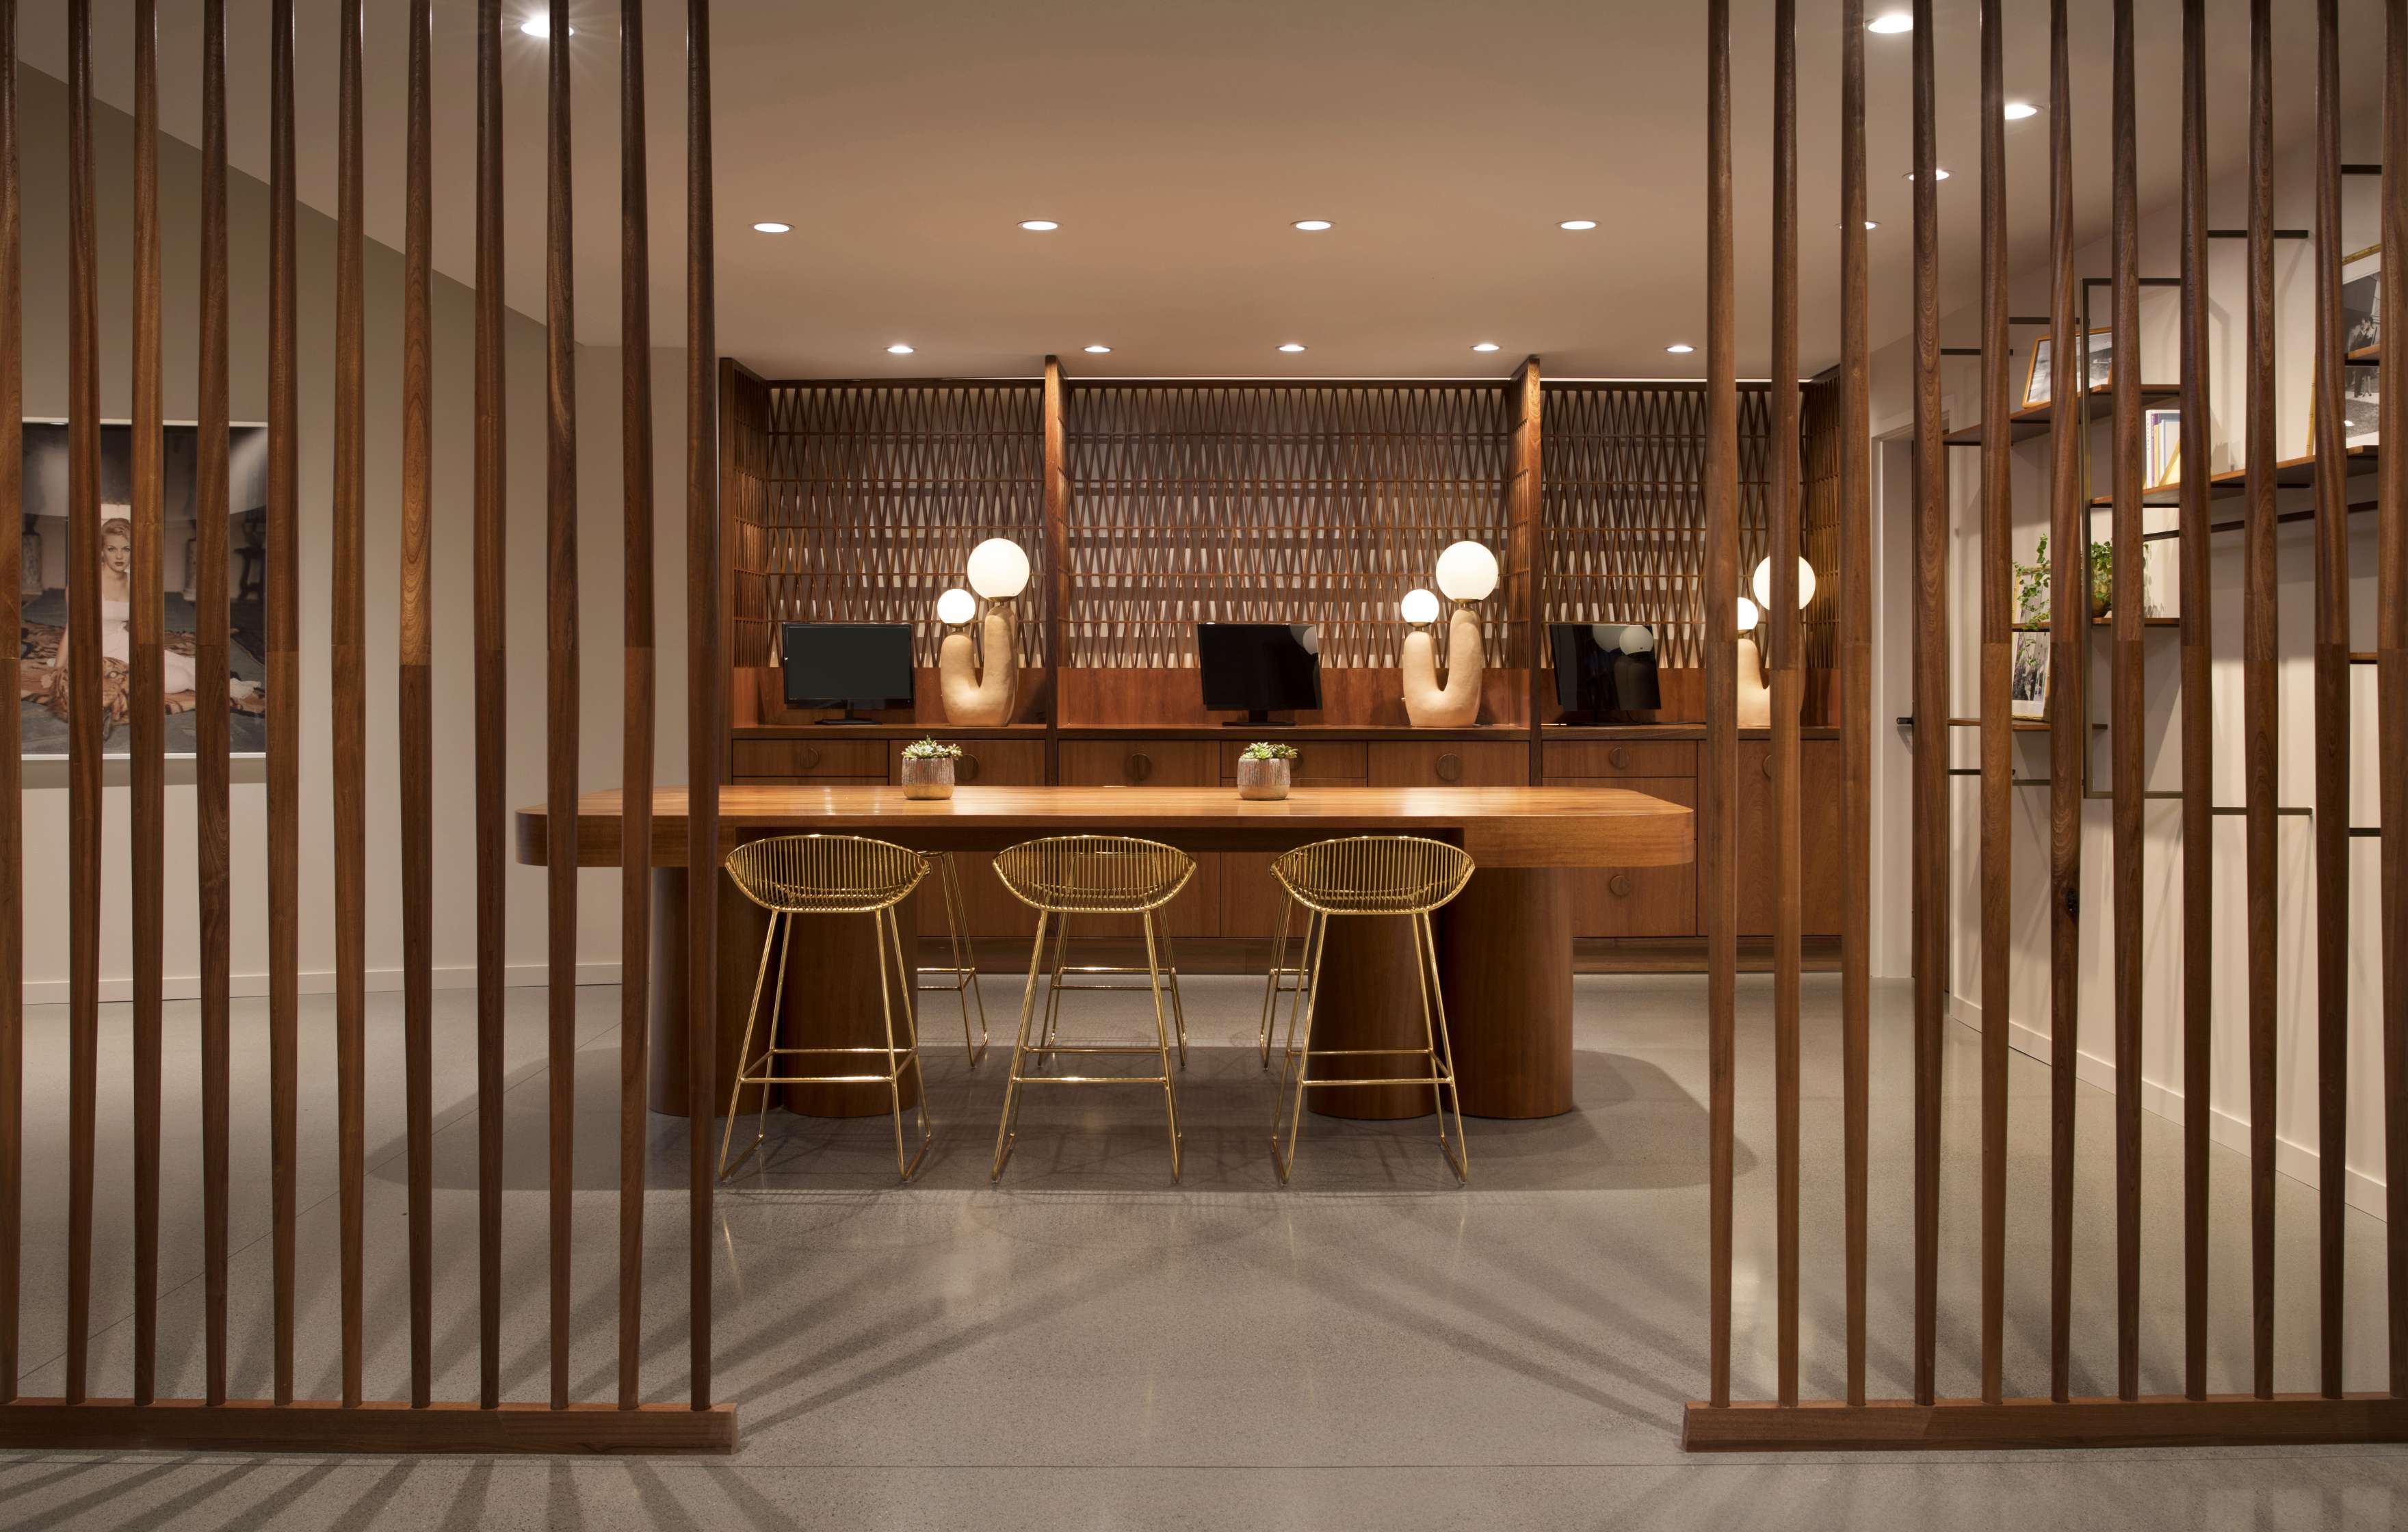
(1175, 142)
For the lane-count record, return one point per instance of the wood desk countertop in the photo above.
(1500, 827)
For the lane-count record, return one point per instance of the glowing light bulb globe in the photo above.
(1420, 608)
(1747, 615)
(999, 570)
(1762, 582)
(956, 607)
(1466, 571)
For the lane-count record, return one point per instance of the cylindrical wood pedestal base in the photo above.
(830, 1001)
(1505, 953)
(1366, 999)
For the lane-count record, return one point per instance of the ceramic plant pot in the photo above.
(1262, 779)
(927, 777)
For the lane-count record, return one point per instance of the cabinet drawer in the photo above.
(1333, 762)
(987, 763)
(776, 758)
(1437, 764)
(1622, 758)
(1139, 763)
(1638, 901)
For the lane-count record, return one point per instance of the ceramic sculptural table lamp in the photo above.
(979, 680)
(1755, 696)
(1466, 575)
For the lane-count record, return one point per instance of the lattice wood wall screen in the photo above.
(1307, 502)
(1624, 504)
(859, 502)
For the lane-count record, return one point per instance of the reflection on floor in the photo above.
(1091, 1345)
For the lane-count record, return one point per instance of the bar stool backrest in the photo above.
(1095, 874)
(826, 874)
(1374, 874)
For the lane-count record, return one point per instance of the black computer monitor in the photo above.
(1604, 667)
(1258, 668)
(849, 665)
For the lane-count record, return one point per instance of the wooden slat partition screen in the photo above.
(416, 1422)
(1998, 1416)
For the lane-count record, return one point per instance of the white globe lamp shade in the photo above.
(1747, 615)
(1466, 571)
(1420, 608)
(999, 570)
(1763, 584)
(956, 607)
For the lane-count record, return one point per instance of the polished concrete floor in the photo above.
(1089, 1345)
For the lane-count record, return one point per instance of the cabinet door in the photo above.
(1638, 901)
(1151, 763)
(1440, 764)
(1819, 875)
(812, 760)
(990, 911)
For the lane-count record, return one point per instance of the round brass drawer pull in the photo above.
(1139, 768)
(811, 758)
(1450, 768)
(1618, 758)
(966, 768)
(1619, 885)
(1767, 765)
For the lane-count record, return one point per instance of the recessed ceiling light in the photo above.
(773, 227)
(2018, 110)
(540, 25)
(1096, 350)
(1038, 225)
(1484, 346)
(1577, 224)
(898, 349)
(1313, 225)
(1291, 346)
(1896, 21)
(1679, 349)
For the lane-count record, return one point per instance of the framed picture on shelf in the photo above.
(2039, 377)
(2027, 681)
(2161, 428)
(2361, 300)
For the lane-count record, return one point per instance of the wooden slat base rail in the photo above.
(377, 1426)
(2222, 1420)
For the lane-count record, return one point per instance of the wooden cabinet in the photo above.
(1411, 762)
(1819, 874)
(990, 911)
(1581, 760)
(1638, 901)
(1153, 763)
(832, 761)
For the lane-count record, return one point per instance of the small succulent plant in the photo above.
(931, 749)
(1263, 750)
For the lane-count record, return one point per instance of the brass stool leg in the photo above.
(1177, 1010)
(1051, 1029)
(1458, 1154)
(1300, 1054)
(1003, 1132)
(744, 1052)
(908, 991)
(965, 972)
(1162, 1040)
(890, 930)
(1271, 981)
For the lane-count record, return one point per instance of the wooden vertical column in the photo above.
(416, 693)
(1718, 771)
(492, 579)
(145, 704)
(2258, 661)
(212, 788)
(2069, 706)
(1784, 680)
(1526, 516)
(2332, 709)
(283, 622)
(1930, 814)
(560, 680)
(2129, 706)
(2391, 684)
(634, 872)
(83, 680)
(349, 703)
(1056, 492)
(13, 840)
(2197, 705)
(706, 682)
(1997, 681)
(1855, 682)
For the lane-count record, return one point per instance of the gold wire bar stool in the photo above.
(830, 875)
(1283, 978)
(962, 977)
(1372, 875)
(1089, 875)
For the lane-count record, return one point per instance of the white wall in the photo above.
(2162, 917)
(601, 563)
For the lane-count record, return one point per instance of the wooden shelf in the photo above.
(2291, 473)
(887, 731)
(2108, 621)
(1641, 732)
(2020, 725)
(2368, 354)
(2024, 425)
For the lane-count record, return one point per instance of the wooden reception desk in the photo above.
(1505, 943)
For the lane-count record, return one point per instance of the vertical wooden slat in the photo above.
(706, 682)
(83, 679)
(1055, 489)
(212, 773)
(1931, 811)
(2332, 708)
(348, 707)
(12, 843)
(2197, 704)
(2127, 703)
(1784, 680)
(2069, 706)
(560, 679)
(1855, 682)
(146, 695)
(1717, 814)
(492, 596)
(1525, 515)
(283, 625)
(2259, 660)
(2391, 685)
(636, 872)
(415, 692)
(1998, 668)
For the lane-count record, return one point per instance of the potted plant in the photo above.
(2031, 584)
(1263, 770)
(929, 769)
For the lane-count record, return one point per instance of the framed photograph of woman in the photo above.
(44, 700)
(2361, 301)
(2039, 377)
(2028, 677)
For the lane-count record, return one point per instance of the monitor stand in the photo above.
(1258, 718)
(850, 717)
